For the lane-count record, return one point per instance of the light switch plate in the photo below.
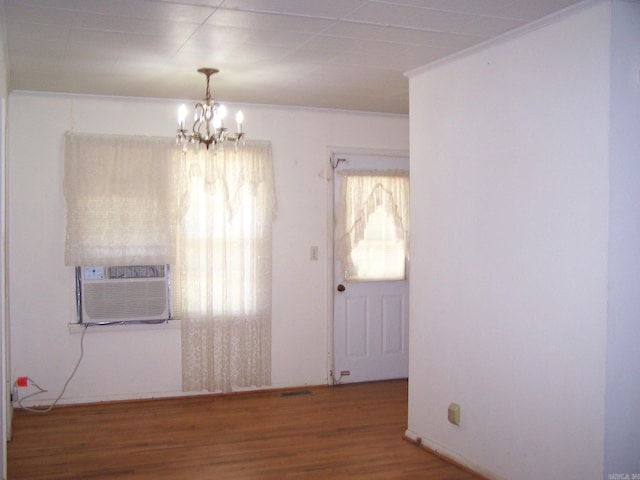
(453, 413)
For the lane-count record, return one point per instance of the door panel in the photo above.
(357, 322)
(392, 315)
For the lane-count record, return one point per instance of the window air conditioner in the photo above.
(132, 293)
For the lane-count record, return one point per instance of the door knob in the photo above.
(341, 288)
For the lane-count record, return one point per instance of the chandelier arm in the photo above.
(197, 121)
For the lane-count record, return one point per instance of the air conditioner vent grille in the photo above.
(136, 271)
(125, 300)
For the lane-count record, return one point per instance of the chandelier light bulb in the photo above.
(182, 114)
(239, 120)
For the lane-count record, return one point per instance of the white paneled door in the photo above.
(371, 285)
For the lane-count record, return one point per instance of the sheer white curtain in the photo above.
(372, 224)
(224, 259)
(120, 194)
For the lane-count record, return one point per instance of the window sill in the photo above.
(173, 324)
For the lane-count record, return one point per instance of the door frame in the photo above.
(333, 153)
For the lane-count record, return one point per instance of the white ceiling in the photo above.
(345, 54)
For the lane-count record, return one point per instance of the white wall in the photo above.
(142, 362)
(509, 167)
(5, 411)
(622, 426)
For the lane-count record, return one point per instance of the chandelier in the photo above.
(208, 122)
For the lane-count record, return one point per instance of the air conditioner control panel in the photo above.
(93, 273)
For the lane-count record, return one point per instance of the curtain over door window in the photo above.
(373, 225)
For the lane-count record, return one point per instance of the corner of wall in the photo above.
(622, 394)
(5, 404)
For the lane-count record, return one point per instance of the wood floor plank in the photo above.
(350, 431)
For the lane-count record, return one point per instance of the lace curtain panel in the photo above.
(372, 224)
(224, 259)
(120, 198)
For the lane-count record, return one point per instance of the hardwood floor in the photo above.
(349, 431)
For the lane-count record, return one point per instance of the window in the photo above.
(224, 257)
(380, 255)
(219, 252)
(120, 211)
(373, 224)
(120, 195)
